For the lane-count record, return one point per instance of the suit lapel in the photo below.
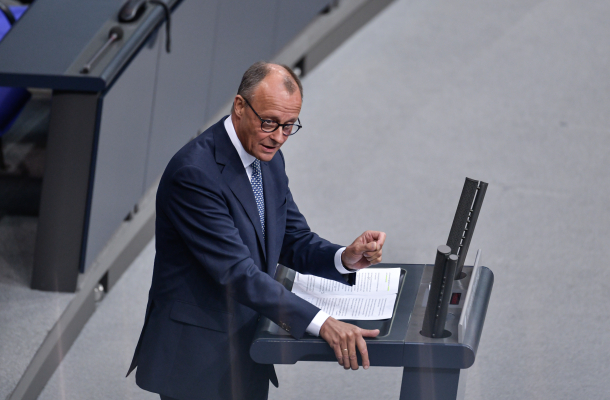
(236, 178)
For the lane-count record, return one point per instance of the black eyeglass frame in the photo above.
(298, 125)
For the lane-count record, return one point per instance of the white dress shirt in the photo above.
(247, 159)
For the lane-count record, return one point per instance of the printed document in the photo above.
(371, 298)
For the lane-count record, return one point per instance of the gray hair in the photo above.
(259, 71)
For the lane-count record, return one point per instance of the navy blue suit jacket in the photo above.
(213, 273)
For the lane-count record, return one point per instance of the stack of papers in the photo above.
(371, 298)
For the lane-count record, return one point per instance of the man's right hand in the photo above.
(343, 338)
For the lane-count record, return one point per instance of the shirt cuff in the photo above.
(316, 323)
(339, 264)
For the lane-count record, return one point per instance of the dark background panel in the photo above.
(292, 17)
(182, 79)
(244, 35)
(121, 153)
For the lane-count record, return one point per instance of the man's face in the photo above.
(271, 101)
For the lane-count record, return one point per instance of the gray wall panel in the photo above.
(244, 35)
(122, 144)
(292, 17)
(182, 79)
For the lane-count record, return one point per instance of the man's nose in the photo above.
(278, 137)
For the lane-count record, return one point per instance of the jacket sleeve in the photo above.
(199, 212)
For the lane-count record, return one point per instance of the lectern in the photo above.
(434, 366)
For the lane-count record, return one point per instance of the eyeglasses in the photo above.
(269, 126)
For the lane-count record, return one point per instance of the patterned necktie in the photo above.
(257, 188)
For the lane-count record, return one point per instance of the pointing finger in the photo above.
(369, 332)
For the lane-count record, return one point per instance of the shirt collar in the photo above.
(244, 156)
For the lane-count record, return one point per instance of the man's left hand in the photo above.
(365, 251)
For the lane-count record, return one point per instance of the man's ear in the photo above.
(238, 106)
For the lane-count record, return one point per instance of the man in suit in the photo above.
(225, 218)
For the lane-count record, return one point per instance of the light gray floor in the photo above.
(96, 365)
(26, 315)
(515, 93)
